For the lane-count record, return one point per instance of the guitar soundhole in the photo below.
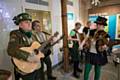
(36, 51)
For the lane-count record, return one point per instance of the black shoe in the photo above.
(51, 78)
(76, 75)
(79, 70)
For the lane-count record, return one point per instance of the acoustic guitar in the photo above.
(28, 67)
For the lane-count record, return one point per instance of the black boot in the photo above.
(75, 70)
(76, 75)
(79, 70)
(77, 67)
(51, 78)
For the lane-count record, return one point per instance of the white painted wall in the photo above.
(8, 9)
(55, 8)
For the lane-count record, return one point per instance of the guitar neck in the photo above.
(46, 43)
(57, 41)
(43, 46)
(46, 48)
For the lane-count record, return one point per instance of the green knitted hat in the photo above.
(21, 17)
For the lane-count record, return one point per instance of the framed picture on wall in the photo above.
(118, 27)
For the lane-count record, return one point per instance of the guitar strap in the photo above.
(37, 37)
(30, 40)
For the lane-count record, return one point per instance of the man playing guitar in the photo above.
(23, 37)
(42, 38)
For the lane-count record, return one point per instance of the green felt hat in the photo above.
(21, 17)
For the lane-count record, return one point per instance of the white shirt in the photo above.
(92, 47)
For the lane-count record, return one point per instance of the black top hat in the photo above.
(101, 20)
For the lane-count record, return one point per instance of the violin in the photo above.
(101, 38)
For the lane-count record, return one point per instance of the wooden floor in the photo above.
(109, 72)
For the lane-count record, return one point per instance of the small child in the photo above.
(5, 75)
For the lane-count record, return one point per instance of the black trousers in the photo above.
(36, 75)
(76, 66)
(48, 63)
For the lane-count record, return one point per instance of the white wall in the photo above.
(55, 8)
(8, 9)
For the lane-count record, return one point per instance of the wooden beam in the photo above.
(65, 32)
(107, 3)
(110, 10)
